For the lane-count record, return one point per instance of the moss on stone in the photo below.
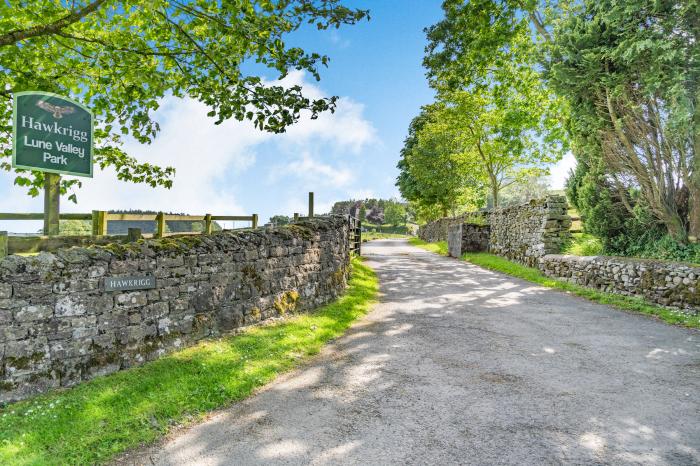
(18, 363)
(252, 275)
(287, 302)
(338, 277)
(7, 386)
(301, 230)
(122, 250)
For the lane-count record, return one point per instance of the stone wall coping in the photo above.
(168, 246)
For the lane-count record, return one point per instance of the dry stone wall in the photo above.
(666, 283)
(467, 237)
(522, 233)
(526, 232)
(438, 230)
(534, 234)
(58, 326)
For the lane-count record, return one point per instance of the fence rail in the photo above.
(16, 216)
(100, 220)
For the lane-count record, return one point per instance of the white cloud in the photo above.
(361, 194)
(560, 172)
(337, 39)
(345, 129)
(200, 151)
(312, 171)
(299, 203)
(207, 156)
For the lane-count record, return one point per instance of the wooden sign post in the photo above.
(52, 134)
(52, 203)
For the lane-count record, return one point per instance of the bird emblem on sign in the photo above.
(56, 110)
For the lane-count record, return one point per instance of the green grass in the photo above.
(370, 235)
(583, 244)
(95, 421)
(626, 303)
(439, 248)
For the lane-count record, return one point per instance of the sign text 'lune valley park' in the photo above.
(52, 134)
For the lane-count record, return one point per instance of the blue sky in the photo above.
(234, 169)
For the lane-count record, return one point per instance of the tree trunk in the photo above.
(694, 185)
(694, 213)
(494, 193)
(676, 227)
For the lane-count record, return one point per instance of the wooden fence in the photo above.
(100, 220)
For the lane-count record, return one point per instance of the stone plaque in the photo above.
(145, 282)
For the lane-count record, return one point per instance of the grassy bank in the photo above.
(97, 420)
(583, 244)
(439, 248)
(499, 264)
(370, 235)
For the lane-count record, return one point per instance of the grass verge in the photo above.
(97, 420)
(439, 248)
(626, 303)
(583, 244)
(370, 235)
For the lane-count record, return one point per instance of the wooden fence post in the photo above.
(255, 221)
(52, 200)
(160, 225)
(311, 205)
(207, 224)
(3, 244)
(99, 222)
(133, 234)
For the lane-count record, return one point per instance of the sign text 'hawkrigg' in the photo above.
(52, 134)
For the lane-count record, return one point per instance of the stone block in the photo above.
(155, 310)
(169, 293)
(131, 299)
(176, 261)
(32, 290)
(33, 312)
(5, 290)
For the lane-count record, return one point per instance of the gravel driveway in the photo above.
(459, 365)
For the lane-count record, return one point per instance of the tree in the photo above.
(362, 214)
(375, 215)
(627, 72)
(395, 213)
(495, 119)
(342, 207)
(433, 175)
(278, 220)
(121, 57)
(630, 70)
(497, 132)
(524, 190)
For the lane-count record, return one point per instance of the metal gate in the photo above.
(355, 236)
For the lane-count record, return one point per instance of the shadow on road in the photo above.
(459, 365)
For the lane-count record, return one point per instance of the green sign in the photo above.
(52, 134)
